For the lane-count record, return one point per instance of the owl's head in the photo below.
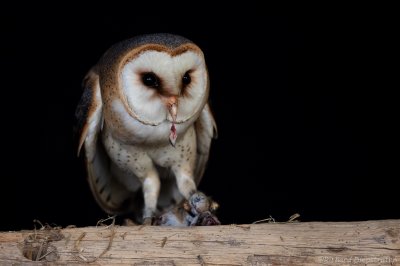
(161, 78)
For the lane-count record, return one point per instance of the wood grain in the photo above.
(311, 243)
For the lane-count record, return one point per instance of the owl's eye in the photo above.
(150, 80)
(186, 79)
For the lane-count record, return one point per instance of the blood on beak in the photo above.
(173, 136)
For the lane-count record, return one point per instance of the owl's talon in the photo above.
(148, 221)
(192, 192)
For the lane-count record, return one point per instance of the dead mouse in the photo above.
(197, 211)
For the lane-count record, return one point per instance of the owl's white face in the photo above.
(155, 78)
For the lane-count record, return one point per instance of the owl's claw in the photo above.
(148, 221)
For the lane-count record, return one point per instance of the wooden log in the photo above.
(296, 243)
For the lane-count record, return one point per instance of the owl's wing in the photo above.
(89, 114)
(206, 129)
(109, 193)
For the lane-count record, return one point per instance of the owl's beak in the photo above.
(172, 108)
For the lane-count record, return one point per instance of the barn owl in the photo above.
(146, 125)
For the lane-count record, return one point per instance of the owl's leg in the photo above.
(185, 182)
(146, 172)
(151, 190)
(183, 169)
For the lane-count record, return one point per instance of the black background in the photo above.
(304, 106)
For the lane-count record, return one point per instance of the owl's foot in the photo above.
(147, 220)
(129, 222)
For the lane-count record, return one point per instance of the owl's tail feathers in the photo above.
(110, 194)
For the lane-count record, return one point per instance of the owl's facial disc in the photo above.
(153, 82)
